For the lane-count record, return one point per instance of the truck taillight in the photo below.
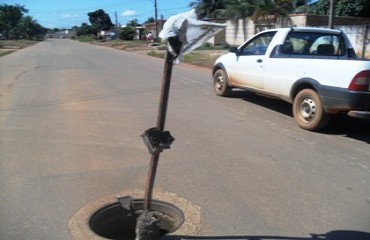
(361, 82)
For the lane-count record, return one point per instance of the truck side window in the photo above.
(328, 45)
(293, 45)
(319, 44)
(258, 45)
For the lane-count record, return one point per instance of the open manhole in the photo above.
(114, 221)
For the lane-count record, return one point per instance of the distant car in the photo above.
(316, 69)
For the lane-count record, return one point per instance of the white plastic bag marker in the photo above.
(190, 31)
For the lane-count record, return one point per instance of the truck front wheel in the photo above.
(220, 83)
(308, 111)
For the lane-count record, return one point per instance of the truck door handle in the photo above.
(259, 60)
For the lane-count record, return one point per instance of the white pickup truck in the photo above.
(315, 69)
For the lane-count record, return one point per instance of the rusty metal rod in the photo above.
(161, 119)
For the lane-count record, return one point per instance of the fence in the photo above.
(358, 33)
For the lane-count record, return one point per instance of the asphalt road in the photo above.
(71, 116)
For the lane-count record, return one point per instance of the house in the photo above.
(151, 27)
(108, 34)
(139, 33)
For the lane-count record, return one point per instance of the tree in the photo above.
(300, 6)
(275, 12)
(85, 29)
(133, 23)
(263, 10)
(100, 21)
(282, 10)
(239, 9)
(29, 28)
(10, 15)
(208, 8)
(351, 8)
(150, 20)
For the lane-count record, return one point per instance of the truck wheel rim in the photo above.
(308, 109)
(219, 82)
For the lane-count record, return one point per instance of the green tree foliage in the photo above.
(263, 10)
(284, 7)
(150, 20)
(133, 23)
(280, 9)
(28, 28)
(100, 21)
(10, 15)
(127, 33)
(351, 8)
(208, 8)
(85, 29)
(239, 9)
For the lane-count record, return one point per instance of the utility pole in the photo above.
(156, 20)
(117, 27)
(331, 14)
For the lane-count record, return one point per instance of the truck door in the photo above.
(247, 69)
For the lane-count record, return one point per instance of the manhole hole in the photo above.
(115, 222)
(80, 222)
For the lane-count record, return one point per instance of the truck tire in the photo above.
(308, 111)
(220, 83)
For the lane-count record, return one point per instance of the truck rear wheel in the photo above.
(309, 112)
(220, 83)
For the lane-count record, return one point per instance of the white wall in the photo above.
(358, 36)
(235, 36)
(356, 33)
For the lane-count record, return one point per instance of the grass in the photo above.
(86, 39)
(201, 59)
(196, 58)
(9, 46)
(20, 43)
(205, 55)
(133, 44)
(156, 54)
(5, 52)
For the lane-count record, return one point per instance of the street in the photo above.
(71, 116)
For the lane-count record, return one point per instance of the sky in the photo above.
(69, 13)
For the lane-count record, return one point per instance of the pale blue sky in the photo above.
(68, 13)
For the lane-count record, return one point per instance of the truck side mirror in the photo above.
(233, 50)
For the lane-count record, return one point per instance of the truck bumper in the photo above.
(335, 100)
(359, 114)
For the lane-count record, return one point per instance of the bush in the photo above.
(225, 45)
(127, 33)
(87, 38)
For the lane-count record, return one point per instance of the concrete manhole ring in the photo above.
(78, 224)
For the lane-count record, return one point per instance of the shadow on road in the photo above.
(276, 105)
(341, 124)
(333, 235)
